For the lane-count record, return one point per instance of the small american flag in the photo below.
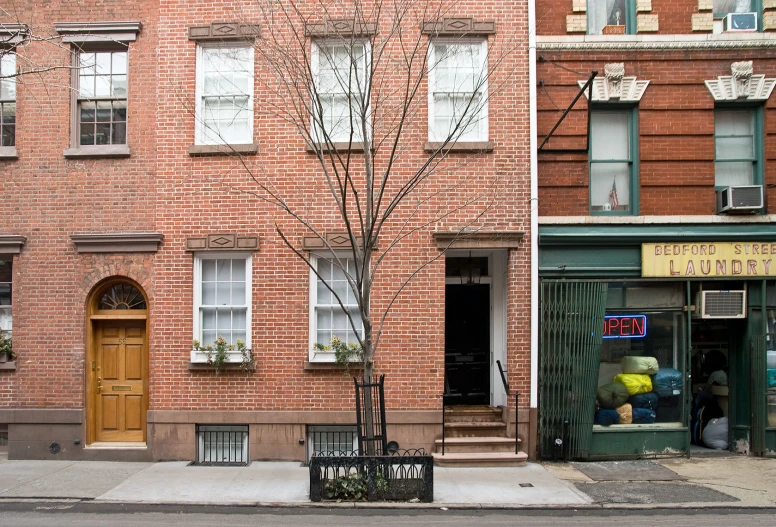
(614, 201)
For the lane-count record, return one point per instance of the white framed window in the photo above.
(8, 99)
(734, 147)
(341, 90)
(327, 318)
(224, 107)
(458, 90)
(101, 113)
(611, 160)
(608, 14)
(222, 301)
(6, 298)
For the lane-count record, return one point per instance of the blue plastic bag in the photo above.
(667, 382)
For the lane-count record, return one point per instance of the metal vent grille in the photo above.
(222, 445)
(724, 304)
(749, 196)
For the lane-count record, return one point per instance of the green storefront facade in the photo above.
(695, 296)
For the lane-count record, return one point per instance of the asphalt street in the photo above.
(82, 514)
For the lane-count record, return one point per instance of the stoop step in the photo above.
(455, 445)
(458, 414)
(481, 459)
(476, 429)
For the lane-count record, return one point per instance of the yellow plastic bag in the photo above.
(635, 383)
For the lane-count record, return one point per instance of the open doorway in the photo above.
(474, 327)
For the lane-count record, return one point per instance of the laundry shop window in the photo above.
(645, 324)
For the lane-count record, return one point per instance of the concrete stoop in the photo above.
(476, 436)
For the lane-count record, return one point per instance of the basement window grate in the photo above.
(331, 440)
(222, 445)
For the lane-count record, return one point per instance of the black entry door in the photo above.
(467, 344)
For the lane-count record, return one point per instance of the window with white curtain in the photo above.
(222, 294)
(341, 90)
(458, 90)
(6, 305)
(734, 147)
(611, 160)
(327, 318)
(601, 13)
(224, 113)
(8, 99)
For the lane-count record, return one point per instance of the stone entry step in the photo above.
(476, 429)
(458, 414)
(482, 459)
(476, 444)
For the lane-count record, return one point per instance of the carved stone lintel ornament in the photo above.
(224, 31)
(340, 27)
(615, 86)
(741, 85)
(223, 242)
(457, 27)
(333, 240)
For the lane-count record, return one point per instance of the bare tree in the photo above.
(352, 79)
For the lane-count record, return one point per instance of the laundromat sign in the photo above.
(725, 259)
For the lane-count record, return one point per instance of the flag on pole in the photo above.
(614, 201)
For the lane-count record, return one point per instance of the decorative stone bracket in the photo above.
(615, 86)
(223, 242)
(741, 85)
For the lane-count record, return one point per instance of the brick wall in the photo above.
(676, 128)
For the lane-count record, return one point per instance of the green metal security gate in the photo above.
(758, 388)
(572, 319)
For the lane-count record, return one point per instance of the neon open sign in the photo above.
(625, 326)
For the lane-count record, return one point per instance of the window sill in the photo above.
(8, 366)
(473, 147)
(334, 147)
(8, 152)
(227, 366)
(223, 150)
(330, 366)
(97, 151)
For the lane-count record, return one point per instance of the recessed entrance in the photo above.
(117, 364)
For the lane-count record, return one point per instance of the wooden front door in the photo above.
(120, 372)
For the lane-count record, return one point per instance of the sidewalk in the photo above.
(729, 482)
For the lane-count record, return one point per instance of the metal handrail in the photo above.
(444, 389)
(517, 395)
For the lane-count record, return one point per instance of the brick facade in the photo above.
(161, 188)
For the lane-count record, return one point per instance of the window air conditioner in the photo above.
(734, 22)
(740, 199)
(721, 304)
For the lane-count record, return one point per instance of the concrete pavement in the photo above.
(733, 481)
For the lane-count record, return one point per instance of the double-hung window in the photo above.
(327, 317)
(458, 90)
(7, 98)
(340, 93)
(610, 17)
(735, 147)
(222, 299)
(102, 98)
(224, 108)
(6, 304)
(613, 149)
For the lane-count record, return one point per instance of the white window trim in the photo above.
(314, 68)
(199, 126)
(483, 124)
(233, 356)
(9, 58)
(317, 355)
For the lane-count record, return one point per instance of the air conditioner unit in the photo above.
(721, 304)
(740, 199)
(735, 22)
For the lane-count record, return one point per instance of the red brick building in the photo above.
(671, 144)
(142, 171)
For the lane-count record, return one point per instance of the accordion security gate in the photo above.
(572, 317)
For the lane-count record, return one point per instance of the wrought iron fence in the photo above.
(404, 475)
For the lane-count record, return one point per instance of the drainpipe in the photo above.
(534, 204)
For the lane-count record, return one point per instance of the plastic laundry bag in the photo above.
(606, 417)
(644, 365)
(715, 435)
(668, 382)
(645, 400)
(626, 414)
(643, 416)
(612, 395)
(636, 383)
